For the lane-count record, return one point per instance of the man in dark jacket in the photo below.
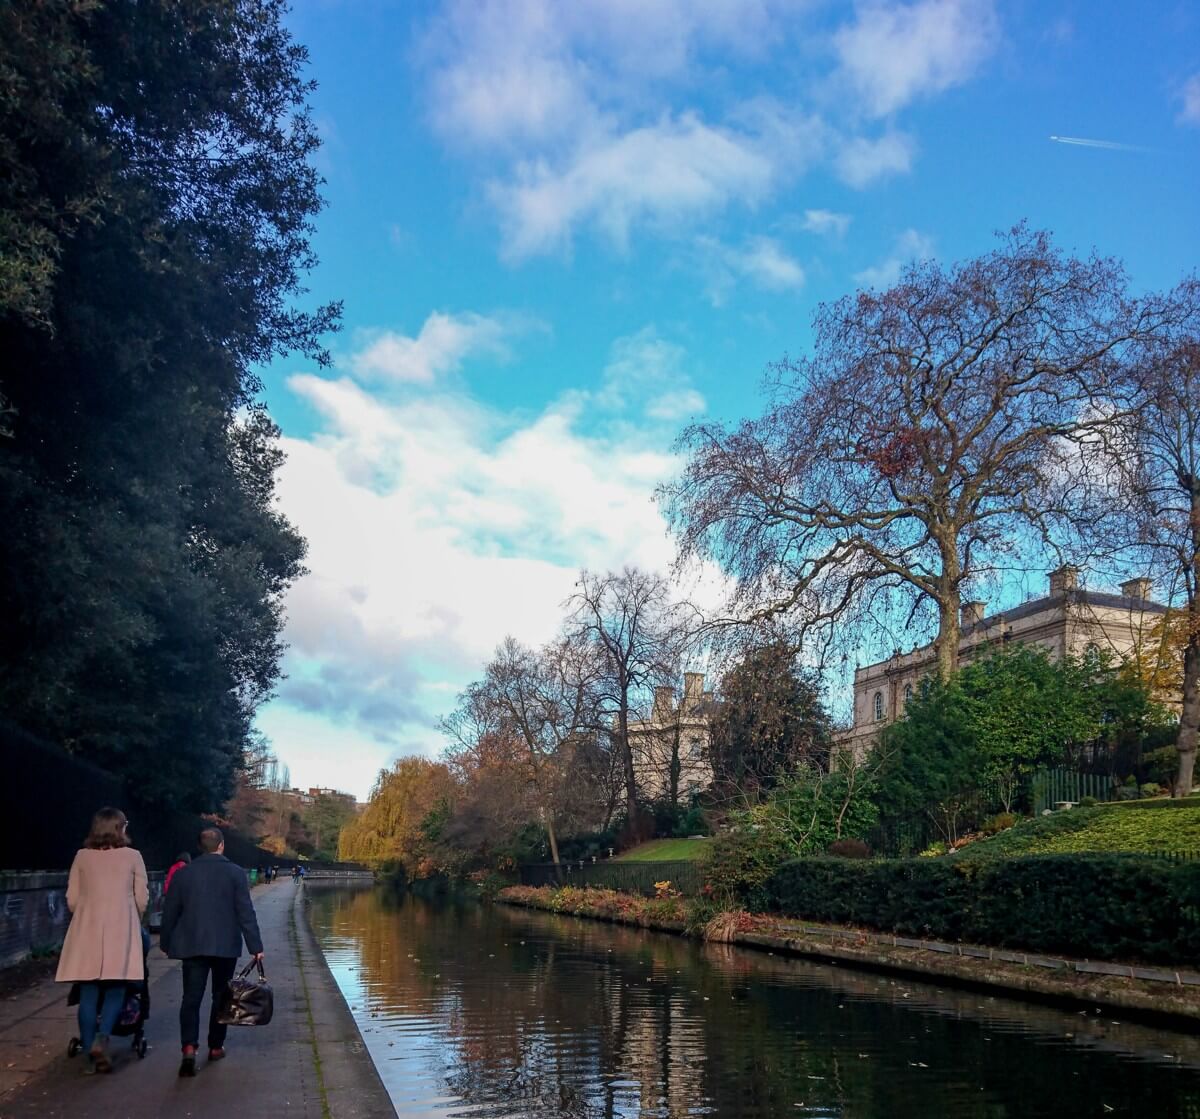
(208, 913)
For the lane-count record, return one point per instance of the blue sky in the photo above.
(561, 231)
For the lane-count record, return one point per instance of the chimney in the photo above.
(971, 612)
(664, 703)
(1064, 579)
(1138, 589)
(693, 690)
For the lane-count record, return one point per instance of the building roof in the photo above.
(1075, 596)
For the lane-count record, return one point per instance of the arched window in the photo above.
(907, 695)
(1091, 655)
(878, 706)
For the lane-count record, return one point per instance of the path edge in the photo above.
(351, 1085)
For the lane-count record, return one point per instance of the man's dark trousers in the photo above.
(196, 970)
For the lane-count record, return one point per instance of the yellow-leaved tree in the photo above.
(389, 828)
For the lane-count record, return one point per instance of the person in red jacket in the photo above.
(181, 860)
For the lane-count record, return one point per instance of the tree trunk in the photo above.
(948, 607)
(947, 638)
(1189, 716)
(627, 762)
(552, 837)
(675, 768)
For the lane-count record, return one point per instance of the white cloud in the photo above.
(909, 246)
(825, 221)
(862, 159)
(587, 115)
(894, 53)
(437, 525)
(507, 72)
(647, 373)
(441, 346)
(1189, 98)
(664, 174)
(761, 260)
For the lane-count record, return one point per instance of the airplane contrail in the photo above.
(1108, 145)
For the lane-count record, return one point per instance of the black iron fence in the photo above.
(613, 874)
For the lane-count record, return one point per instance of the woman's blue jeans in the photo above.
(103, 999)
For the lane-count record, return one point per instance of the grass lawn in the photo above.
(666, 851)
(1095, 829)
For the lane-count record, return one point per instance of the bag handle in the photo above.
(262, 974)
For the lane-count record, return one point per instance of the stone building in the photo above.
(672, 726)
(1069, 619)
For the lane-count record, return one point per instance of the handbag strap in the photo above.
(262, 973)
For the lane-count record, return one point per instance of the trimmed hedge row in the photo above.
(1100, 907)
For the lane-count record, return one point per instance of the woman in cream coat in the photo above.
(104, 949)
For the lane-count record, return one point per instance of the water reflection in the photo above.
(498, 1012)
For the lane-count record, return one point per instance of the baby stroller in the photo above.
(131, 1022)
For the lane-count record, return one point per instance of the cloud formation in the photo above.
(617, 115)
(441, 346)
(909, 246)
(823, 222)
(862, 160)
(436, 525)
(762, 261)
(892, 53)
(664, 174)
(1189, 101)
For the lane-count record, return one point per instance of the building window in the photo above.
(1091, 655)
(907, 695)
(878, 706)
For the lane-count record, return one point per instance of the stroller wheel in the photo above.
(140, 1046)
(73, 1047)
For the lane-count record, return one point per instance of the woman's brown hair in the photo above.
(108, 830)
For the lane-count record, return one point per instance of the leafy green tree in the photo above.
(156, 203)
(966, 746)
(1025, 710)
(807, 810)
(770, 719)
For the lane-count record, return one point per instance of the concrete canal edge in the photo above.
(349, 1082)
(1158, 1003)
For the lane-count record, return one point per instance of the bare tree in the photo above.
(543, 701)
(629, 618)
(911, 454)
(1154, 454)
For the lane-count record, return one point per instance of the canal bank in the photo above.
(309, 1062)
(520, 1014)
(1170, 998)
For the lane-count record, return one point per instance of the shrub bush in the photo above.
(1160, 765)
(1088, 802)
(1002, 821)
(1151, 789)
(1098, 906)
(849, 849)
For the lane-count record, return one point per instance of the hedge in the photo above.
(1094, 906)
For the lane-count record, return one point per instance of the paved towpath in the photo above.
(308, 1063)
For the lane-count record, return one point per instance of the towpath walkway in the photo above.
(308, 1063)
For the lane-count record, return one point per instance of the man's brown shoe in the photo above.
(216, 1054)
(187, 1067)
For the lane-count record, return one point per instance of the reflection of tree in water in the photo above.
(543, 1015)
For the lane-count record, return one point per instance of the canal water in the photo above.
(493, 1012)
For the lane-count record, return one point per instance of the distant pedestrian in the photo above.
(105, 946)
(207, 916)
(181, 860)
(296, 872)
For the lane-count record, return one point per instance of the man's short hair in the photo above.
(210, 840)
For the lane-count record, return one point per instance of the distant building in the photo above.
(1069, 619)
(671, 726)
